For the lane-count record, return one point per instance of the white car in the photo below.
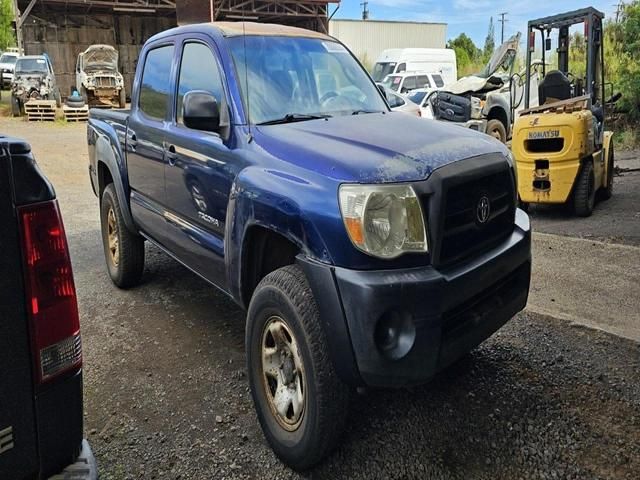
(7, 67)
(398, 103)
(406, 82)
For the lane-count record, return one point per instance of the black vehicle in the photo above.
(40, 345)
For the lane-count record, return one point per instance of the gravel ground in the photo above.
(166, 394)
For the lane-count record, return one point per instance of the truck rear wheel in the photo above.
(301, 404)
(584, 193)
(496, 129)
(123, 250)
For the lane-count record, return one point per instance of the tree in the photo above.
(7, 34)
(490, 42)
(629, 67)
(463, 43)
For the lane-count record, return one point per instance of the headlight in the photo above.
(476, 107)
(384, 221)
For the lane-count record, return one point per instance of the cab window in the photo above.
(437, 79)
(409, 84)
(401, 68)
(154, 92)
(198, 71)
(423, 82)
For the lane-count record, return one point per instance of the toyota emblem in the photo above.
(483, 210)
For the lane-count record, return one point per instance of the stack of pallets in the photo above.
(40, 110)
(75, 114)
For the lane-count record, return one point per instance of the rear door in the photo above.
(145, 137)
(200, 169)
(18, 452)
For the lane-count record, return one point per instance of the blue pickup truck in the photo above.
(368, 247)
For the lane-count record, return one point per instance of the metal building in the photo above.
(367, 39)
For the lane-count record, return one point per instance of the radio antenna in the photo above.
(246, 76)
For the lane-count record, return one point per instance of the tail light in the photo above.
(50, 291)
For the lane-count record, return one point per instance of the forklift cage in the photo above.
(593, 32)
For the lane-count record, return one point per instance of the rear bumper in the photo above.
(452, 311)
(84, 468)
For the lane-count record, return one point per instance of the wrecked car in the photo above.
(98, 79)
(7, 65)
(485, 101)
(33, 79)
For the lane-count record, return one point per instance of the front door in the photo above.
(199, 171)
(144, 143)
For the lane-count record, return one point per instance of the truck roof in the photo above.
(235, 29)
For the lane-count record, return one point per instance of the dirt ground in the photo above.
(166, 395)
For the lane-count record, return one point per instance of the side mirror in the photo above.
(383, 91)
(201, 111)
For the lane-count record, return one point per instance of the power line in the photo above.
(502, 21)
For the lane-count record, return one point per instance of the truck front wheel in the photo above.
(300, 402)
(496, 129)
(123, 250)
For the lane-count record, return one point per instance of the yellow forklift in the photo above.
(562, 151)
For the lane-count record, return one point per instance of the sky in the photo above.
(469, 16)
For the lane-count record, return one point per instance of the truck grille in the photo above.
(471, 208)
(463, 233)
(105, 82)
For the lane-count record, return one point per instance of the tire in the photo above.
(84, 95)
(123, 250)
(607, 191)
(123, 98)
(524, 206)
(75, 103)
(496, 129)
(58, 98)
(15, 106)
(584, 194)
(283, 302)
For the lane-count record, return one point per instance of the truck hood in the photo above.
(373, 148)
(100, 58)
(485, 81)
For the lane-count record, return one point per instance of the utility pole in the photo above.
(365, 10)
(502, 21)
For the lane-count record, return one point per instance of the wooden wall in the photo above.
(64, 36)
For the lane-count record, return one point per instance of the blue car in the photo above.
(368, 247)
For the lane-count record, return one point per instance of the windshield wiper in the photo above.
(361, 112)
(294, 117)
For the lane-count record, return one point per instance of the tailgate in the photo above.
(18, 441)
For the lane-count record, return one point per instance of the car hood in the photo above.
(7, 66)
(373, 148)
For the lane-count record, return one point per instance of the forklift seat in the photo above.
(554, 86)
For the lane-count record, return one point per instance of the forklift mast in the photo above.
(593, 32)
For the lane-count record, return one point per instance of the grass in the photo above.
(626, 137)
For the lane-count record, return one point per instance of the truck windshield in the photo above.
(393, 82)
(8, 59)
(29, 65)
(297, 79)
(381, 70)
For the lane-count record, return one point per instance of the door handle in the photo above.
(172, 156)
(132, 142)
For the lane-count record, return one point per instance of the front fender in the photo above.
(105, 147)
(276, 201)
(501, 101)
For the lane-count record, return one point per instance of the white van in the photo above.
(398, 60)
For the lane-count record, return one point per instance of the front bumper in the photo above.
(453, 311)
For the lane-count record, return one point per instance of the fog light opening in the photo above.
(395, 334)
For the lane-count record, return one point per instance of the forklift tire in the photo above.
(584, 193)
(524, 206)
(496, 129)
(607, 191)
